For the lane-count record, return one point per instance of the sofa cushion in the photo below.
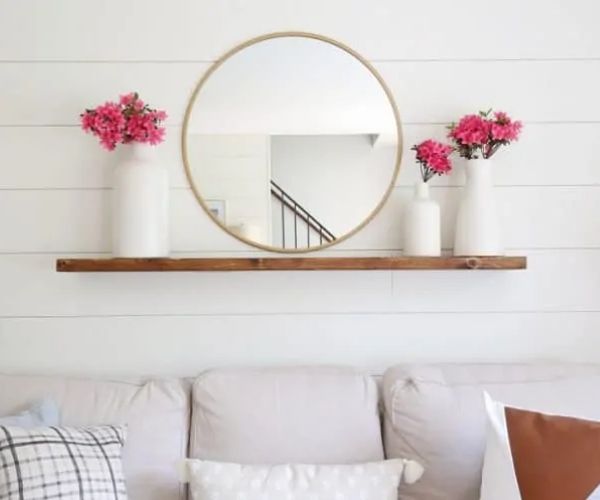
(156, 413)
(286, 415)
(436, 414)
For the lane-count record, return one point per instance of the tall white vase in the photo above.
(477, 223)
(422, 229)
(140, 212)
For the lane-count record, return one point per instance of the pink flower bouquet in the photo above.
(433, 158)
(129, 120)
(483, 134)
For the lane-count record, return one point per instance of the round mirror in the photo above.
(291, 142)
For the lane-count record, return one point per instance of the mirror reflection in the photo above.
(291, 143)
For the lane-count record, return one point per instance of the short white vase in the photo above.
(422, 229)
(477, 224)
(140, 211)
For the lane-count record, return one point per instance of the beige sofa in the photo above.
(431, 413)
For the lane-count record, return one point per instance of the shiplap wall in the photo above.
(539, 60)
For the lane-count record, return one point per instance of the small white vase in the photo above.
(422, 229)
(140, 211)
(477, 224)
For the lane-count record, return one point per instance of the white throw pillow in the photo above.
(42, 413)
(62, 463)
(368, 481)
(498, 480)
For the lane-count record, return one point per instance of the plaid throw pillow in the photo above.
(61, 463)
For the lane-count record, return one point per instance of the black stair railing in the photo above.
(299, 212)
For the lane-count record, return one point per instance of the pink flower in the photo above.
(481, 135)
(434, 158)
(143, 128)
(501, 117)
(161, 116)
(504, 129)
(107, 122)
(471, 130)
(129, 120)
(156, 136)
(127, 99)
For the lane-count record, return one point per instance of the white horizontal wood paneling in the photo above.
(567, 280)
(445, 90)
(187, 345)
(439, 92)
(554, 281)
(382, 29)
(538, 60)
(30, 286)
(79, 220)
(64, 157)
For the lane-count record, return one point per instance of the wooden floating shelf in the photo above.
(290, 264)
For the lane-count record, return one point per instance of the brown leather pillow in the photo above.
(555, 458)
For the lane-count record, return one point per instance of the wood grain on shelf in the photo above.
(290, 264)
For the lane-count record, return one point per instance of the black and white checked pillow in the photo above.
(62, 463)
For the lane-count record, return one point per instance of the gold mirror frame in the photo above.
(287, 34)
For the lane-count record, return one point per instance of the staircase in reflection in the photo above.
(298, 227)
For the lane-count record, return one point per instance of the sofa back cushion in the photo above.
(156, 413)
(436, 414)
(314, 415)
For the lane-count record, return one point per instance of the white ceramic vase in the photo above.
(477, 222)
(140, 212)
(422, 229)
